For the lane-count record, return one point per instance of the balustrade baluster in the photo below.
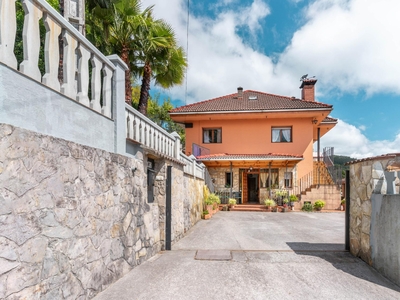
(69, 65)
(8, 31)
(128, 125)
(83, 75)
(31, 40)
(107, 76)
(51, 53)
(96, 83)
(135, 129)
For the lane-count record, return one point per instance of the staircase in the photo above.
(249, 207)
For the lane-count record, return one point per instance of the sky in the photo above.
(351, 46)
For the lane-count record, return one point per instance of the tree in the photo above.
(112, 26)
(160, 58)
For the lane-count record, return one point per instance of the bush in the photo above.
(269, 202)
(307, 207)
(232, 201)
(293, 198)
(319, 204)
(212, 198)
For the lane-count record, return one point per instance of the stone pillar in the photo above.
(118, 103)
(193, 158)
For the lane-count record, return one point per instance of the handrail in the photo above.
(77, 52)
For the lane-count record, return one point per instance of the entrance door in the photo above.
(252, 184)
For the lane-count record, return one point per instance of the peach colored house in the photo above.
(254, 143)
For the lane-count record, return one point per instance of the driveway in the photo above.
(251, 255)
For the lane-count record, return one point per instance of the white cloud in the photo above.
(350, 45)
(348, 140)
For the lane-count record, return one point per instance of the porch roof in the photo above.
(275, 160)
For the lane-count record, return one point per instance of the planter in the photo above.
(206, 217)
(268, 208)
(209, 208)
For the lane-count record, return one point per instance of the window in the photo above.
(228, 179)
(212, 135)
(281, 134)
(288, 179)
(265, 180)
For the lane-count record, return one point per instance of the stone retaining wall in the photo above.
(374, 214)
(74, 219)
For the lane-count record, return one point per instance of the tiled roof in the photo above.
(329, 120)
(268, 156)
(380, 157)
(251, 101)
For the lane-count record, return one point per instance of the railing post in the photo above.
(177, 151)
(193, 158)
(8, 29)
(118, 103)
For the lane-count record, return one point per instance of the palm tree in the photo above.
(158, 56)
(112, 28)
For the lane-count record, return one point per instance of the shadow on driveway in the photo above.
(344, 261)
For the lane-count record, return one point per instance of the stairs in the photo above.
(320, 168)
(249, 207)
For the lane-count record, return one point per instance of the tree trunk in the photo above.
(144, 89)
(128, 85)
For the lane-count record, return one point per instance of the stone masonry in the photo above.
(374, 213)
(74, 219)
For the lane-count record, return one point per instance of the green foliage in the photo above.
(293, 198)
(307, 207)
(205, 212)
(285, 200)
(319, 204)
(232, 201)
(343, 202)
(281, 193)
(269, 202)
(212, 198)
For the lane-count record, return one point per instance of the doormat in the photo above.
(213, 255)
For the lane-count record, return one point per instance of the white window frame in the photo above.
(213, 139)
(281, 134)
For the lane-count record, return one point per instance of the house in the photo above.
(254, 143)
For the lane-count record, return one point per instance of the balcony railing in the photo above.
(77, 51)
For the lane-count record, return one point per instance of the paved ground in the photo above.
(247, 255)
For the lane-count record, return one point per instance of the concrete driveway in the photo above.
(251, 255)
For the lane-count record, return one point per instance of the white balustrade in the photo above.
(73, 42)
(8, 30)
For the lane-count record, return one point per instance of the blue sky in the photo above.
(351, 46)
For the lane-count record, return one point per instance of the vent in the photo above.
(252, 97)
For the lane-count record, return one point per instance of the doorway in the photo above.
(252, 188)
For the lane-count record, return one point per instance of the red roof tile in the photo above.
(251, 101)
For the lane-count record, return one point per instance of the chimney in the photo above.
(307, 86)
(240, 92)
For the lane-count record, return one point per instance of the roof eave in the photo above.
(250, 111)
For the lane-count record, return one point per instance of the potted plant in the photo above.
(292, 199)
(269, 203)
(212, 202)
(285, 203)
(343, 204)
(231, 202)
(308, 207)
(318, 205)
(205, 215)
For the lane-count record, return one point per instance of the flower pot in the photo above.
(206, 217)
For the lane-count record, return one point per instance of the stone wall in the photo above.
(74, 219)
(374, 215)
(328, 193)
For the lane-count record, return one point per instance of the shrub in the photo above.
(319, 204)
(269, 202)
(232, 201)
(212, 198)
(343, 202)
(293, 198)
(307, 207)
